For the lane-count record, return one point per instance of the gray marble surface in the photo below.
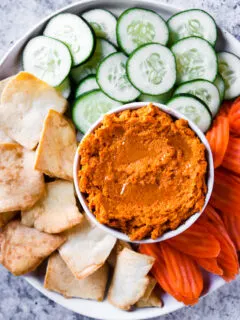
(18, 300)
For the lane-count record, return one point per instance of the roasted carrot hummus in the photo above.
(143, 172)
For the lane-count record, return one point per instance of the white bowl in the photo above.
(169, 234)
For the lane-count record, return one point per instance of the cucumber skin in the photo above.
(189, 10)
(215, 53)
(196, 98)
(220, 94)
(144, 45)
(127, 77)
(93, 35)
(192, 81)
(76, 88)
(119, 20)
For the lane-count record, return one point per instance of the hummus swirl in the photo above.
(143, 172)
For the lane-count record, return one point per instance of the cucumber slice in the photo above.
(152, 69)
(162, 98)
(137, 26)
(65, 88)
(229, 68)
(103, 49)
(48, 59)
(75, 33)
(219, 83)
(89, 107)
(103, 23)
(113, 80)
(205, 91)
(193, 22)
(196, 59)
(192, 108)
(87, 84)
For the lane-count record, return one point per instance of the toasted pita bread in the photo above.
(23, 248)
(60, 279)
(150, 298)
(25, 102)
(130, 279)
(86, 249)
(119, 246)
(3, 136)
(5, 217)
(20, 185)
(153, 301)
(56, 211)
(3, 84)
(57, 147)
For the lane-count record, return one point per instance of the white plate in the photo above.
(10, 64)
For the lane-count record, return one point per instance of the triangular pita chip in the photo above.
(151, 297)
(130, 279)
(119, 246)
(20, 185)
(3, 136)
(5, 217)
(25, 102)
(56, 211)
(23, 248)
(3, 84)
(57, 147)
(60, 279)
(86, 249)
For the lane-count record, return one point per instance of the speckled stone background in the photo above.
(18, 300)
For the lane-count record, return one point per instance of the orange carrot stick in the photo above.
(234, 117)
(218, 137)
(231, 159)
(197, 242)
(226, 192)
(210, 264)
(232, 225)
(225, 108)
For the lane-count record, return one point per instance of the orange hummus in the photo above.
(143, 172)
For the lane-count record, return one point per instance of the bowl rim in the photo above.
(186, 224)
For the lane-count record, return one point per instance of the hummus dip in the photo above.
(143, 172)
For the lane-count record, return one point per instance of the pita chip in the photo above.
(151, 297)
(3, 136)
(25, 102)
(57, 147)
(3, 84)
(60, 279)
(23, 249)
(119, 246)
(86, 249)
(20, 185)
(130, 279)
(5, 217)
(56, 211)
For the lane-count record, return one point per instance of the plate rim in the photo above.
(149, 312)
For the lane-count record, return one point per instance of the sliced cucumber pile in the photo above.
(229, 68)
(65, 88)
(75, 33)
(48, 59)
(89, 107)
(204, 90)
(219, 83)
(196, 59)
(135, 57)
(192, 22)
(152, 69)
(103, 49)
(193, 109)
(113, 80)
(103, 23)
(137, 26)
(87, 84)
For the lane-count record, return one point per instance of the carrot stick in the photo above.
(227, 259)
(232, 225)
(231, 159)
(234, 117)
(197, 242)
(226, 192)
(225, 108)
(210, 265)
(218, 137)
